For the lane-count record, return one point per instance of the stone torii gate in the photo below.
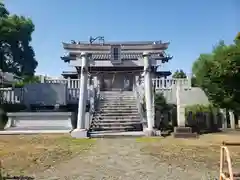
(84, 52)
(85, 58)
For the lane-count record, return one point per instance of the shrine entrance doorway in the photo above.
(116, 81)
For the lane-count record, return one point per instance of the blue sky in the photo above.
(191, 26)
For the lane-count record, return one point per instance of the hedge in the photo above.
(201, 118)
(199, 108)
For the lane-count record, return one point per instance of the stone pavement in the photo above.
(38, 126)
(122, 158)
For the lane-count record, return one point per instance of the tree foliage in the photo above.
(16, 53)
(219, 76)
(238, 37)
(179, 74)
(28, 80)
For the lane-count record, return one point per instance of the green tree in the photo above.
(28, 80)
(219, 76)
(238, 36)
(16, 53)
(194, 82)
(179, 74)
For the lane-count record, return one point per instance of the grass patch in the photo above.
(148, 139)
(28, 153)
(204, 151)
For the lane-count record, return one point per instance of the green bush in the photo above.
(162, 107)
(200, 118)
(199, 108)
(160, 102)
(27, 80)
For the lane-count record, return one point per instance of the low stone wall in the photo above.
(24, 121)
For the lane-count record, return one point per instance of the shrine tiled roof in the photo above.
(124, 45)
(107, 56)
(124, 56)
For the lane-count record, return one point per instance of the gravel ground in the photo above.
(113, 159)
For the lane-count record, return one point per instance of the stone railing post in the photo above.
(69, 82)
(223, 118)
(180, 108)
(189, 79)
(232, 120)
(42, 78)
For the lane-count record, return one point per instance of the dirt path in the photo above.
(119, 159)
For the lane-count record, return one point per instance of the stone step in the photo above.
(119, 97)
(117, 105)
(118, 114)
(113, 110)
(115, 134)
(117, 92)
(111, 119)
(118, 101)
(117, 110)
(119, 117)
(117, 121)
(102, 128)
(115, 124)
(120, 108)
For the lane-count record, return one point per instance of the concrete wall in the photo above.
(43, 93)
(62, 92)
(188, 97)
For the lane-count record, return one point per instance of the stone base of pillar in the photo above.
(149, 132)
(79, 133)
(184, 132)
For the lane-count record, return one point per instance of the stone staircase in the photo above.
(117, 112)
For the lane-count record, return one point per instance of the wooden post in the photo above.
(1, 168)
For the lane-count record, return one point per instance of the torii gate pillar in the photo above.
(148, 94)
(80, 131)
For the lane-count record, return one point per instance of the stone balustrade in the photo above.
(15, 95)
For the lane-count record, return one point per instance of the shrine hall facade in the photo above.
(116, 64)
